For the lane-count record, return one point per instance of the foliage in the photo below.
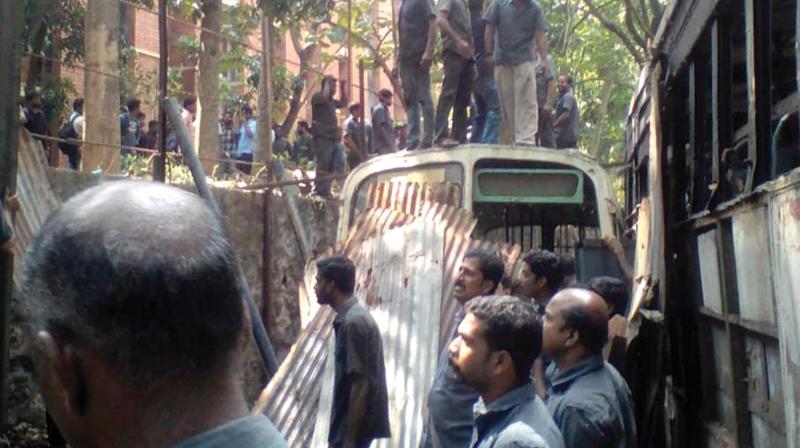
(286, 13)
(45, 19)
(140, 166)
(603, 65)
(135, 82)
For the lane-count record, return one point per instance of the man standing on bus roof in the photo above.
(512, 26)
(458, 51)
(417, 35)
(588, 399)
(566, 123)
(325, 129)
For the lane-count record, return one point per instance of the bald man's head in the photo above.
(144, 275)
(575, 319)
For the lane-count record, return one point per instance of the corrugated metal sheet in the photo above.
(280, 400)
(784, 217)
(397, 276)
(411, 197)
(36, 197)
(291, 398)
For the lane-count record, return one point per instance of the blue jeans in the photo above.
(491, 125)
(479, 119)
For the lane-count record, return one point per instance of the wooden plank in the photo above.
(686, 28)
(721, 75)
(696, 121)
(757, 30)
(655, 187)
(784, 223)
(736, 359)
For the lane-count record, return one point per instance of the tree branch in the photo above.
(613, 28)
(656, 11)
(641, 20)
(380, 61)
(631, 26)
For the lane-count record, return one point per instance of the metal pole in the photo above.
(160, 164)
(10, 14)
(265, 114)
(362, 100)
(190, 158)
(349, 46)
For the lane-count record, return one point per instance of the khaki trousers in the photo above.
(516, 87)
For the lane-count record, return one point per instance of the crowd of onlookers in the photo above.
(132, 341)
(499, 85)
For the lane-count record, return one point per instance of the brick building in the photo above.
(139, 28)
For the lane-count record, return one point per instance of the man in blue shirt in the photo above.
(512, 27)
(497, 342)
(589, 400)
(129, 126)
(248, 134)
(450, 401)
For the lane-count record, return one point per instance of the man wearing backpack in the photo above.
(72, 129)
(129, 126)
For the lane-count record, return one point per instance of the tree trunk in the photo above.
(597, 139)
(208, 107)
(101, 103)
(296, 103)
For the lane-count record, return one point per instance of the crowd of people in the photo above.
(496, 63)
(116, 327)
(499, 85)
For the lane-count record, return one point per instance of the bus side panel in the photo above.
(785, 230)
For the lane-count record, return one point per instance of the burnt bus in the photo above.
(713, 201)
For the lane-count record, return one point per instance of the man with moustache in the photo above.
(449, 421)
(360, 410)
(496, 344)
(588, 399)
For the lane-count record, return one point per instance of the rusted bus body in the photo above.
(520, 205)
(713, 152)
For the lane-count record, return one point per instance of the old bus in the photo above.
(713, 194)
(560, 200)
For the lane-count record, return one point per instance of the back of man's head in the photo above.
(476, 7)
(133, 105)
(544, 263)
(339, 270)
(490, 264)
(613, 291)
(511, 325)
(144, 276)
